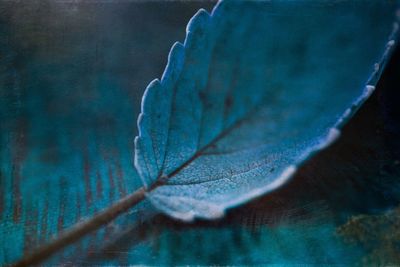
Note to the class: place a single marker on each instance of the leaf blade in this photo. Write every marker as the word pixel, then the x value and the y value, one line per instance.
pixel 292 106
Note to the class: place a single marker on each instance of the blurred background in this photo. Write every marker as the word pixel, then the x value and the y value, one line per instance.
pixel 72 74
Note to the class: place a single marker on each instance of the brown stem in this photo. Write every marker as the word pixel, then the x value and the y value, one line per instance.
pixel 108 214
pixel 78 230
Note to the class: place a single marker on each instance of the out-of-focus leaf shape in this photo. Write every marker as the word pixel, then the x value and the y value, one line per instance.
pixel 378 234
pixel 71 80
pixel 255 90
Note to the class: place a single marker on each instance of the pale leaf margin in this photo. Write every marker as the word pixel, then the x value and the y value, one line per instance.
pixel 171 75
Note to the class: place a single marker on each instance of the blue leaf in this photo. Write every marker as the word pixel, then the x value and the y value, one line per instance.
pixel 255 90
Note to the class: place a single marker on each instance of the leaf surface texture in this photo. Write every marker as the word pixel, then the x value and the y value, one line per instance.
pixel 255 90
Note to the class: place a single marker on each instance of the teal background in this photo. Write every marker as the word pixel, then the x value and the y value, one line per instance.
pixel 72 76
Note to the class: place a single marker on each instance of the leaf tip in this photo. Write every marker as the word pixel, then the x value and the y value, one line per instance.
pixel 149 94
pixel 175 62
pixel 198 21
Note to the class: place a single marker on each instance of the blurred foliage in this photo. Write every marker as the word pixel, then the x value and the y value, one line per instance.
pixel 379 235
